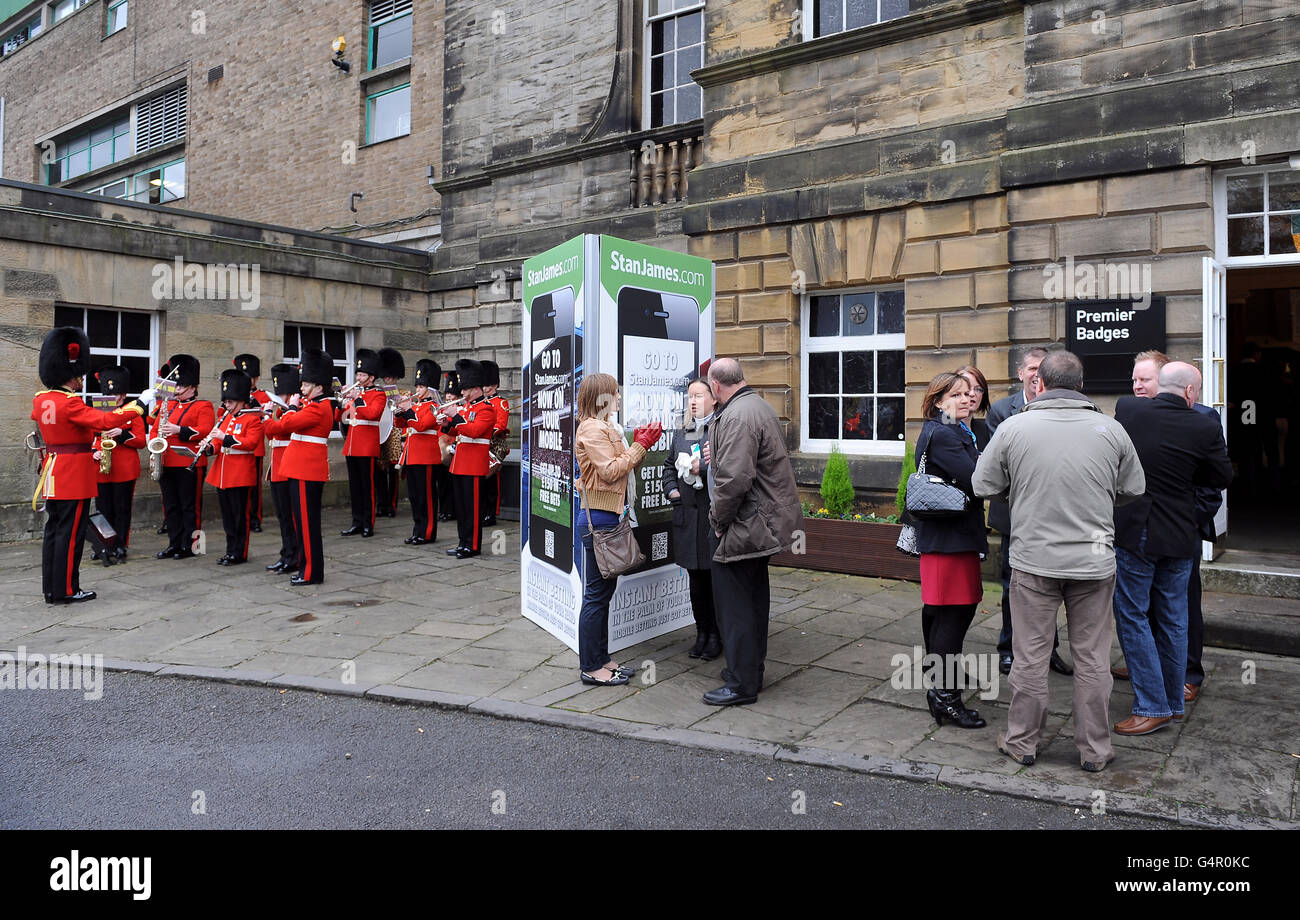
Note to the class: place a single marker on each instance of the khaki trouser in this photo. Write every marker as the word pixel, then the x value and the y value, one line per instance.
pixel 1034 602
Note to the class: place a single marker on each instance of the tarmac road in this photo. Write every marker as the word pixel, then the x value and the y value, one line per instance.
pixel 159 752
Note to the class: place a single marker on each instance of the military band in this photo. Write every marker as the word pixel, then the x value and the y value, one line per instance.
pixel 446 445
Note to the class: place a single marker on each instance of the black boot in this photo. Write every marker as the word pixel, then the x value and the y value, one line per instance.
pixel 697 650
pixel 947 705
pixel 712 647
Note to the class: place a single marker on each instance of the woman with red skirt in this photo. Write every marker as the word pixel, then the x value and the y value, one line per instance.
pixel 951 548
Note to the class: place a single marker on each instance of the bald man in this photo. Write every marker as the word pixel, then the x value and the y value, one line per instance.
pixel 1157 539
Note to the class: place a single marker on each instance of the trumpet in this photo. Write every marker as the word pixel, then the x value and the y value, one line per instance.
pixel 106 446
pixel 346 391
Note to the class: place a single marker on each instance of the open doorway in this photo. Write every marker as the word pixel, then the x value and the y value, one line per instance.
pixel 1263 408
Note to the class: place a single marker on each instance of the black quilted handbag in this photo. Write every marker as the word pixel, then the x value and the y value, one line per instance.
pixel 932 497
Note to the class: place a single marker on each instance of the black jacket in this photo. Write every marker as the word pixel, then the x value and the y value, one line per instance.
pixel 1208 501
pixel 953 455
pixel 1180 449
pixel 691 548
pixel 999 412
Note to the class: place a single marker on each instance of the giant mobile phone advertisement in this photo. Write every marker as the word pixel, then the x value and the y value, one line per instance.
pixel 644 315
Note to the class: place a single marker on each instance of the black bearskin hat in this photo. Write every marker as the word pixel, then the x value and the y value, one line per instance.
pixel 491 374
pixel 391 364
pixel 65 354
pixel 188 373
pixel 284 379
pixel 249 364
pixel 470 373
pixel 114 380
pixel 427 373
pixel 317 367
pixel 235 384
pixel 368 362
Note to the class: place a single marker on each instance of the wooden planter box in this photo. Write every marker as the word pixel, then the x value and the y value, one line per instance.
pixel 853 548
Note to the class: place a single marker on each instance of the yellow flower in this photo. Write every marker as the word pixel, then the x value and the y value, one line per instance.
pixel 822 511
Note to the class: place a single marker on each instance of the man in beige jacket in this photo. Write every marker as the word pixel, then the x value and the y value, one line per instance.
pixel 754 510
pixel 1063 466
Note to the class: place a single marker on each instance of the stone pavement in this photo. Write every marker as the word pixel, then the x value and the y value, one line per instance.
pixel 416 625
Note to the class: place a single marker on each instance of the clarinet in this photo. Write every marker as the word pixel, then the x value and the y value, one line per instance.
pixel 203 445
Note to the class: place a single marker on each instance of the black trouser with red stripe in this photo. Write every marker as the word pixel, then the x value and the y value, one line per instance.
pixel 280 497
pixel 305 497
pixel 361 487
pixel 446 495
pixel 182 490
pixel 492 495
pixel 255 497
pixel 386 487
pixel 469 510
pixel 114 503
pixel 65 536
pixel 234 519
pixel 424 500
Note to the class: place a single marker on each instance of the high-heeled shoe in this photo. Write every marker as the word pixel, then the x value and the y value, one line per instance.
pixel 947 704
pixel 697 649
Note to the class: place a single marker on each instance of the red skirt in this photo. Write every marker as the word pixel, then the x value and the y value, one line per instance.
pixel 951 578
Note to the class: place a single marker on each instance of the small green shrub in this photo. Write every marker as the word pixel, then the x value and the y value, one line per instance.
pixel 837 486
pixel 909 467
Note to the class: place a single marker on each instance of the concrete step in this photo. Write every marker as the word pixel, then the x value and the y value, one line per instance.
pixel 1259 574
pixel 1270 625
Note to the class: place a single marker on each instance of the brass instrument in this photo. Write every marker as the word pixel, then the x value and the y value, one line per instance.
pixel 106 446
pixel 157 446
pixel 392 446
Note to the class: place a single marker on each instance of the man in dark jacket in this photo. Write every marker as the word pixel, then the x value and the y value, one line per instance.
pixel 754 511
pixel 1000 511
pixel 1157 538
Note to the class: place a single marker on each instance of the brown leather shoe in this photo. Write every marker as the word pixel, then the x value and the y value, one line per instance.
pixel 1191 692
pixel 1119 673
pixel 1141 725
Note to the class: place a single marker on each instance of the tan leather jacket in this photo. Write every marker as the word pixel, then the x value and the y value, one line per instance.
pixel 604 460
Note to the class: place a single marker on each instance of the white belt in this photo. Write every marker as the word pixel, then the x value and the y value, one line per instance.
pixel 279 443
pixel 412 432
pixel 233 450
pixel 465 440
pixel 309 438
pixel 362 421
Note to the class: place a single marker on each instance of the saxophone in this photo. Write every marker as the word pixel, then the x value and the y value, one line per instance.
pixel 106 446
pixel 158 445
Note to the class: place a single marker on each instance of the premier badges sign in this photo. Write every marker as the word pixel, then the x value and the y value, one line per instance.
pixel 1106 334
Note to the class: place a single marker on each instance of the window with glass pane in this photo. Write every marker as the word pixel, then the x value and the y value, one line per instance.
pixel 390 32
pixel 676 39
pixel 65 8
pixel 27 31
pixel 1264 213
pixel 334 341
pixel 830 17
pixel 160 185
pixel 117 17
pixel 388 114
pixel 116 337
pixel 853 352
pixel 95 149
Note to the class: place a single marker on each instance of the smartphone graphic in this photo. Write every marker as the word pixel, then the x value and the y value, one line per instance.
pixel 550 429
pixel 658 355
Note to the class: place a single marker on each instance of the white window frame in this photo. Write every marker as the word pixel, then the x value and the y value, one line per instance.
pixel 152 353
pixel 646 31
pixel 77 6
pixel 346 377
pixel 806 21
pixel 1221 219
pixel 841 343
pixel 111 6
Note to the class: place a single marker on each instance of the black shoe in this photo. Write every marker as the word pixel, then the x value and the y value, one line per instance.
pixel 466 553
pixel 184 554
pixel 455 550
pixel 72 598
pixel 712 648
pixel 94 555
pixel 726 696
pixel 489 521
pixel 226 560
pixel 697 650
pixel 162 528
pixel 168 553
pixel 947 705
pixel 446 517
pixel 416 541
pixel 1057 664
pixel 255 527
pixel 277 567
pixel 298 582
pixel 368 532
pixel 618 680
pixel 120 554
pixel 352 531
pixel 1004 663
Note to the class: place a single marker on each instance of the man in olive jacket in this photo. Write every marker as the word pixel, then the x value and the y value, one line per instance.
pixel 754 511
pixel 1064 466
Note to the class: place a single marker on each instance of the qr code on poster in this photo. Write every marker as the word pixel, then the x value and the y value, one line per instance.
pixel 549 549
pixel 659 547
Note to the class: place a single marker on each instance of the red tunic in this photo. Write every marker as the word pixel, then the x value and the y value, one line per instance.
pixel 237 466
pixel 279 443
pixel 68 426
pixel 307 456
pixel 473 436
pixel 195 414
pixel 422 436
pixel 502 406
pixel 363 429
pixel 262 398
pixel 126 456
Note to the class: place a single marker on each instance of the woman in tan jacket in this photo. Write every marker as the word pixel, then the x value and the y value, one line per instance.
pixel 604 462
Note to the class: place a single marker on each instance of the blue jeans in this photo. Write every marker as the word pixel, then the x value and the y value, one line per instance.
pixel 593 620
pixel 1157 661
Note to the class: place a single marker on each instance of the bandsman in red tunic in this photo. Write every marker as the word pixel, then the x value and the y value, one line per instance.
pixel 472 426
pixel 446 442
pixel 252 366
pixel 307 458
pixel 68 475
pixel 189 419
pixel 387 476
pixel 492 484
pixel 116 488
pixel 361 447
pixel 233 471
pixel 418 414
pixel 285 383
